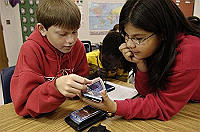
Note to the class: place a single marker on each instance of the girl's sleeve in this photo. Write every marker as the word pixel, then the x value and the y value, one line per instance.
pixel 163 104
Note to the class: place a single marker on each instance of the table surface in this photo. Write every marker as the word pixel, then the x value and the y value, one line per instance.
pixel 188 119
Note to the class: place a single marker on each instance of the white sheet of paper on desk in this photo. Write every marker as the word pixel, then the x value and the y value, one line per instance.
pixel 121 92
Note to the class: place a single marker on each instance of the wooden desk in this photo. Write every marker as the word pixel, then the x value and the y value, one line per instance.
pixel 187 120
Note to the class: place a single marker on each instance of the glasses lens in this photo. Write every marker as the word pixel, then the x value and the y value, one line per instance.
pixel 135 41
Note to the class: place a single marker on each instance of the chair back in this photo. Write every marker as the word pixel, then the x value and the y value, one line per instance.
pixel 88 45
pixel 6 75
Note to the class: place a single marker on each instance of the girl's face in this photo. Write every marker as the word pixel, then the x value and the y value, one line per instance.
pixel 61 39
pixel 142 43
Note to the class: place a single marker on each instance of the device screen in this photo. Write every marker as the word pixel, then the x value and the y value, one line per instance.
pixel 94 89
pixel 96 86
pixel 85 112
pixel 81 115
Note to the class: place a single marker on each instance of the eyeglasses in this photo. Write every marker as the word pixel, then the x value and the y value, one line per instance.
pixel 137 41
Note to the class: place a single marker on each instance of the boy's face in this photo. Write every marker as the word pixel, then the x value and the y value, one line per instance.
pixel 61 39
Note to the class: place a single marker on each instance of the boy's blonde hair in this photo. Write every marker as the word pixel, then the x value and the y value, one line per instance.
pixel 61 13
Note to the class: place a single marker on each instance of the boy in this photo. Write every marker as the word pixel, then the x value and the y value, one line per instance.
pixel 108 61
pixel 51 62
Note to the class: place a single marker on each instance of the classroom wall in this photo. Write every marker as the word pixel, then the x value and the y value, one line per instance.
pixel 12 32
pixel 1 94
pixel 197 8
pixel 13 36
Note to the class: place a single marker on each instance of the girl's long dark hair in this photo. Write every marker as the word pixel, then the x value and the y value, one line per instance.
pixel 165 19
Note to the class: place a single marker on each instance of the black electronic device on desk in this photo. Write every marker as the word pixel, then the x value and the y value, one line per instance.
pixel 109 87
pixel 85 117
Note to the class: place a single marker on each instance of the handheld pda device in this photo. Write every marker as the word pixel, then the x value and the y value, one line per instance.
pixel 94 91
pixel 82 118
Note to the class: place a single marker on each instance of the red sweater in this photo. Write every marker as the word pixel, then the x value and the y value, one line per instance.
pixel 183 85
pixel 32 88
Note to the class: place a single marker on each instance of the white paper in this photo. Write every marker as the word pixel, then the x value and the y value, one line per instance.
pixel 121 92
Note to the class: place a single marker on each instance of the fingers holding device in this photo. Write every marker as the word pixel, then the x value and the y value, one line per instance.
pixel 94 90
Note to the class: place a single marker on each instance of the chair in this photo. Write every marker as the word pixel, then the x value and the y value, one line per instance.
pixel 88 45
pixel 6 75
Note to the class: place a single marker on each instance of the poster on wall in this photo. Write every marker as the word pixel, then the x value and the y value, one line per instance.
pixel 99 16
pixel 103 16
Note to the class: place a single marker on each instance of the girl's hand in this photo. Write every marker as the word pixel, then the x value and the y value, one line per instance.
pixel 141 64
pixel 128 54
pixel 107 104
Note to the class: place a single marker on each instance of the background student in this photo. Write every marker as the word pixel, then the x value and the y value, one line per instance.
pixel 52 63
pixel 115 28
pixel 107 61
pixel 165 47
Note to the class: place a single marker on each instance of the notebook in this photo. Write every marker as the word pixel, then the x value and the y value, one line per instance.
pixel 121 92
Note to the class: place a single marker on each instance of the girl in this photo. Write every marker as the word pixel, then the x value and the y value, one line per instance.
pixel 165 48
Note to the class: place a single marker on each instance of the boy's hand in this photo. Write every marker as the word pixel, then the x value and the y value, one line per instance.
pixel 107 104
pixel 71 85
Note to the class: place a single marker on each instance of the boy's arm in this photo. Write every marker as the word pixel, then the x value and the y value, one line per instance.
pixel 30 93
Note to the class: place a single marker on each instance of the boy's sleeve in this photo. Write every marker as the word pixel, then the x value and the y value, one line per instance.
pixel 30 93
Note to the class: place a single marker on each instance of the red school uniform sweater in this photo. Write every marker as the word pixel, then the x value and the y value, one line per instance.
pixel 33 90
pixel 183 85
